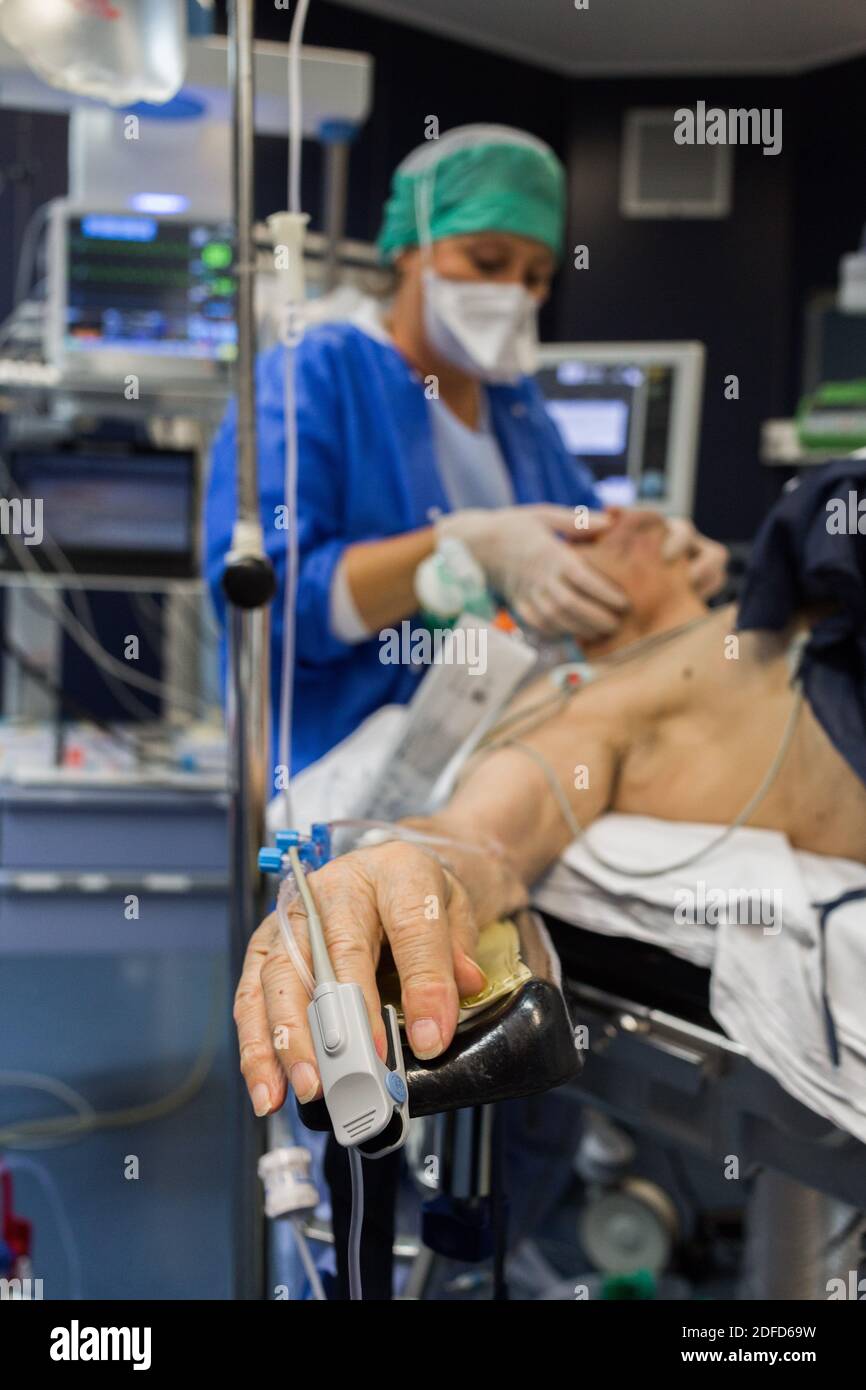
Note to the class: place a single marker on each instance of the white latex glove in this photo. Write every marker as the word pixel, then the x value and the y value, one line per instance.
pixel 708 560
pixel 531 556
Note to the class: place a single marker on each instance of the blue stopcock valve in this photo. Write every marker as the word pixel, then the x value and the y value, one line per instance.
pixel 320 834
pixel 314 849
pixel 270 860
pixel 287 839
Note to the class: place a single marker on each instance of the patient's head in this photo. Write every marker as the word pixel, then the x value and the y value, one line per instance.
pixel 630 551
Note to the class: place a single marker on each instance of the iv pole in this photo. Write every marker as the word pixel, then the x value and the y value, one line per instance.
pixel 249 585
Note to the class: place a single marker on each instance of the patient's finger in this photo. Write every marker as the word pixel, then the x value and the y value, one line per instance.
pixel 264 1077
pixel 412 892
pixel 345 896
pixel 464 940
pixel 286 1001
pixel 354 963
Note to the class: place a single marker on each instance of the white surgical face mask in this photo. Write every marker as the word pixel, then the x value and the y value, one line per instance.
pixel 489 330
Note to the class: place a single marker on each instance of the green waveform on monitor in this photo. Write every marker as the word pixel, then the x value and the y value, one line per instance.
pixel 142 275
pixel 178 249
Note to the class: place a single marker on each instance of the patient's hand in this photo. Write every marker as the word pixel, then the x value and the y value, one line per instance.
pixel 395 891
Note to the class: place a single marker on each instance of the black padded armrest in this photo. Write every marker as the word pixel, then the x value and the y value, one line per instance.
pixel 521 1045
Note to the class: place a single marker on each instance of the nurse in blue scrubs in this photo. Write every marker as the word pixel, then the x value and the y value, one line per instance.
pixel 420 419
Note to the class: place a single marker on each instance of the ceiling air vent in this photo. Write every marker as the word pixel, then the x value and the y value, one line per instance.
pixel 660 178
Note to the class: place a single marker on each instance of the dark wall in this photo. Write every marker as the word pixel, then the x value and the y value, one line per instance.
pixel 724 282
pixel 33 169
pixel 829 211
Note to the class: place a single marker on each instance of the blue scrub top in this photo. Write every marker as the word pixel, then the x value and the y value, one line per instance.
pixel 366 470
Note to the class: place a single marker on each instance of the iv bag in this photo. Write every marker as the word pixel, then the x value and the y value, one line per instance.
pixel 119 51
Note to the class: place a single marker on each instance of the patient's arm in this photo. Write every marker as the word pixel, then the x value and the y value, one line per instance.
pixel 428 911
pixel 507 798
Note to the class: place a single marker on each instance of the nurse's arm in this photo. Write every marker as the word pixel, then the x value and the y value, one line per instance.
pixel 428 907
pixel 381 576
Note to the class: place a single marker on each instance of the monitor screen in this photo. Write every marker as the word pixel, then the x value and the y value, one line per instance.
pixel 592 427
pixel 147 285
pixel 117 512
pixel 616 417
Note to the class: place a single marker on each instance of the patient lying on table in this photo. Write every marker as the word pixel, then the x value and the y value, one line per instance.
pixel 687 728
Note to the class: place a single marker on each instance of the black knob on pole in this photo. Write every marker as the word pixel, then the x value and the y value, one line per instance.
pixel 249 581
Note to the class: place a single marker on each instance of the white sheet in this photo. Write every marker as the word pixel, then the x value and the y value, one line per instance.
pixel 767 993
pixel 764 950
pixel 766 976
pixel 681 909
pixel 658 910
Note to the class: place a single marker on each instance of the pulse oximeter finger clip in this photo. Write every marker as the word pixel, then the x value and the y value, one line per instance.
pixel 367 1099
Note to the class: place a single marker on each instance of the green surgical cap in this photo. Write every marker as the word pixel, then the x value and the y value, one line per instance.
pixel 481 178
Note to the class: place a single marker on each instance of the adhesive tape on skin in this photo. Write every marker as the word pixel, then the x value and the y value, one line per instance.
pixel 497 953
